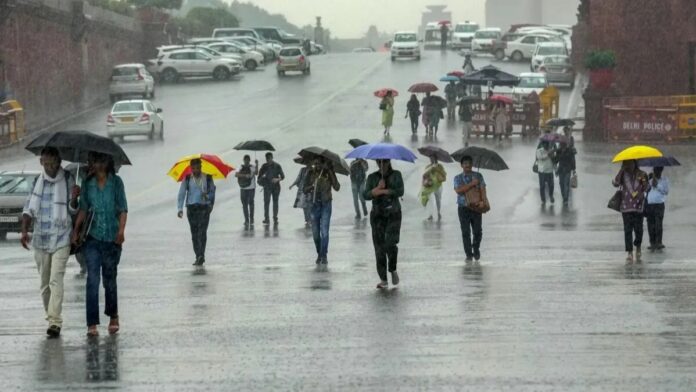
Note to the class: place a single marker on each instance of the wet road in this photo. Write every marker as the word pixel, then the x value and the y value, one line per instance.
pixel 550 307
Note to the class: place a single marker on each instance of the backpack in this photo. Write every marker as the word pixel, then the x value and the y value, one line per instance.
pixel 244 181
pixel 357 172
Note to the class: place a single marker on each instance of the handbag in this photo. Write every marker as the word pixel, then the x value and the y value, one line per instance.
pixel 574 180
pixel 615 202
pixel 382 106
pixel 476 202
pixel 535 167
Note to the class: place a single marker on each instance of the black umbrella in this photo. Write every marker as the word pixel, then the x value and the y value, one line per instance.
pixel 468 99
pixel 254 145
pixel 491 75
pixel 483 158
pixel 75 146
pixel 435 152
pixel 339 165
pixel 355 143
pixel 560 122
pixel 659 162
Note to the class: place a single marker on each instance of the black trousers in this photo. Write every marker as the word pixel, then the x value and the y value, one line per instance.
pixel 268 193
pixel 655 213
pixel 386 230
pixel 633 230
pixel 471 221
pixel 198 217
pixel 247 196
pixel 414 121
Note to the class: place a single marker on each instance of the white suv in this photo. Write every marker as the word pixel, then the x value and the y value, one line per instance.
pixel 250 58
pixel 485 38
pixel 193 62
pixel 405 44
pixel 546 49
pixel 463 34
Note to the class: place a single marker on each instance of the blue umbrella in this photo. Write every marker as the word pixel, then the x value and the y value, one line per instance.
pixel 449 78
pixel 659 162
pixel 382 151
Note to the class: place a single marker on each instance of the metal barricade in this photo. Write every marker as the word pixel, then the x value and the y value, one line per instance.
pixel 658 118
pixel 11 122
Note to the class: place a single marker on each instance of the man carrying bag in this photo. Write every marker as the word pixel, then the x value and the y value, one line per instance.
pixel 472 202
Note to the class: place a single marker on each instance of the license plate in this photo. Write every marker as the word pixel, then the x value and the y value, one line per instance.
pixel 9 219
pixel 127 119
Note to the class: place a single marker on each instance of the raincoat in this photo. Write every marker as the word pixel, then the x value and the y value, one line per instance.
pixel 433 178
pixel 388 112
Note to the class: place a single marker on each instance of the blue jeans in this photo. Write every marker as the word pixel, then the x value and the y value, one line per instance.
pixel 321 218
pixel 102 261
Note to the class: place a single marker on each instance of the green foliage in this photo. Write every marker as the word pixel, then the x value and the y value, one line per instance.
pixel 600 59
pixel 163 4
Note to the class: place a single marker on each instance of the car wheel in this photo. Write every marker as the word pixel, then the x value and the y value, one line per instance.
pixel 250 65
pixel 517 56
pixel 221 73
pixel 161 134
pixel 151 136
pixel 170 75
pixel 499 55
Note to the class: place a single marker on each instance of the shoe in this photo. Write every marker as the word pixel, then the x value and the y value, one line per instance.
pixel 246 223
pixel 552 200
pixel 195 262
pixel 629 258
pixel 382 285
pixel 469 260
pixel 275 221
pixel 439 217
pixel 365 213
pixel 251 222
pixel 53 331
pixel 660 246
pixel 395 278
pixel 430 218
pixel 92 331
pixel 358 217
pixel 318 260
pixel 638 256
pixel 477 255
pixel 114 326
pixel 652 248
pixel 266 222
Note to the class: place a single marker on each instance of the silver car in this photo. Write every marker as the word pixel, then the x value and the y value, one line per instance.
pixel 293 59
pixel 15 187
pixel 133 118
pixel 558 69
pixel 131 79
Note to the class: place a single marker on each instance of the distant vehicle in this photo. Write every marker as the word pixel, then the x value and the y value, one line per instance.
pixel 499 46
pixel 363 50
pixel 432 36
pixel 203 48
pixel 544 49
pixel 235 32
pixel 15 187
pixel 558 69
pixel 127 79
pixel 317 48
pixel 258 45
pixel 251 59
pixel 485 38
pixel 194 62
pixel 136 117
pixel 523 47
pixel 293 59
pixel 463 34
pixel 276 34
pixel 203 41
pixel 405 45
pixel 529 82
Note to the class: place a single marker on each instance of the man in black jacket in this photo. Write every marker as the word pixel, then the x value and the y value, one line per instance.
pixel 564 157
pixel 270 176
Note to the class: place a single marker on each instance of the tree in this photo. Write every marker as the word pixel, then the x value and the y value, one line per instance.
pixel 164 4
pixel 201 21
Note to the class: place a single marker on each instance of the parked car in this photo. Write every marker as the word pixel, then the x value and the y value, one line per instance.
pixel 131 79
pixel 203 48
pixel 547 49
pixel 462 35
pixel 15 187
pixel 257 45
pixel 235 32
pixel 194 62
pixel 483 39
pixel 558 69
pixel 203 41
pixel 529 82
pixel 405 44
pixel 137 117
pixel 293 59
pixel 499 46
pixel 251 59
pixel 276 34
pixel 523 47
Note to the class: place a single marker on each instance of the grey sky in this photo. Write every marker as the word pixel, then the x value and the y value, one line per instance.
pixel 351 18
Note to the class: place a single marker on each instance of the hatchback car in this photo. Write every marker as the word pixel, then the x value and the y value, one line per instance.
pixel 293 59
pixel 558 69
pixel 131 79
pixel 15 187
pixel 136 117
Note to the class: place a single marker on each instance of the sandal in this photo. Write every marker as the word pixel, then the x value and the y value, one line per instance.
pixel 113 326
pixel 92 331
pixel 382 285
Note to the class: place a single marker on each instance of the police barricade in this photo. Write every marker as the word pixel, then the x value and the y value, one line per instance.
pixel 657 119
pixel 523 118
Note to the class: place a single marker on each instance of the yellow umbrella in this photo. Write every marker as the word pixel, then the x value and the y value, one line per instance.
pixel 210 164
pixel 637 152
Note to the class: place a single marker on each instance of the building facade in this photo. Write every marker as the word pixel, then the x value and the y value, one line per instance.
pixel 504 13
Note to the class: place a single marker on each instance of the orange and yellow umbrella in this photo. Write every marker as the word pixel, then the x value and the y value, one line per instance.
pixel 212 165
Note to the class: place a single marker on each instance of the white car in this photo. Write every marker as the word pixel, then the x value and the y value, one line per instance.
pixel 257 45
pixel 405 44
pixel 545 49
pixel 485 38
pixel 250 58
pixel 293 58
pixel 203 48
pixel 194 62
pixel 463 34
pixel 138 117
pixel 529 82
pixel 523 47
pixel 127 79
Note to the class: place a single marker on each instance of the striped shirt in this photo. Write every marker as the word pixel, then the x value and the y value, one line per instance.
pixel 46 237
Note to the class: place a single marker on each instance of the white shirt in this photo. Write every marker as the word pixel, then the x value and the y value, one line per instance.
pixel 544 162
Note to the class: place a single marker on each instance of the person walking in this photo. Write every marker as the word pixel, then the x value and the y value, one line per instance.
pixel 246 178
pixel 358 174
pixel 384 188
pixel 432 180
pixel 301 198
pixel 564 158
pixel 413 112
pixel 320 180
pixel 270 176
pixel 467 118
pixel 470 220
pixel 444 35
pixel 451 96
pixel 50 205
pixel 428 111
pixel 544 164
pixel 103 196
pixel 387 106
pixel 655 209
pixel 500 119
pixel 633 184
pixel 197 192
pixel 468 65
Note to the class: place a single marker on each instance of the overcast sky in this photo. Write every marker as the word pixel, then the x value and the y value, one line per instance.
pixel 351 18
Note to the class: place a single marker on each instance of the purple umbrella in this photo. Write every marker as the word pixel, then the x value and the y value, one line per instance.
pixel 553 138
pixel 382 151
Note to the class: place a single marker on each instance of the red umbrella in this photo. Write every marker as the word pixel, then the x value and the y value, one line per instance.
pixel 381 93
pixel 458 74
pixel 423 88
pixel 501 98
pixel 444 22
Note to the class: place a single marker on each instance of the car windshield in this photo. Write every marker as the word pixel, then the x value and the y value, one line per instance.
pixel 466 28
pixel 486 34
pixel 405 38
pixel 124 71
pixel 532 82
pixel 290 52
pixel 557 60
pixel 128 107
pixel 548 50
pixel 11 184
